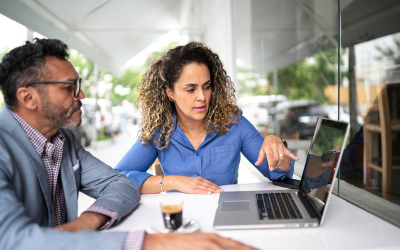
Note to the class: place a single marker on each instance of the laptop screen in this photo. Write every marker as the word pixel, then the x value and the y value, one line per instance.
pixel 322 159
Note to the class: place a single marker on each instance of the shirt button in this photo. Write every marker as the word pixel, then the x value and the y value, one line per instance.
pixel 198 174
pixel 197 153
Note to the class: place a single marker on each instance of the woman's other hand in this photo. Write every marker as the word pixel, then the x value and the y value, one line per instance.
pixel 194 185
pixel 277 154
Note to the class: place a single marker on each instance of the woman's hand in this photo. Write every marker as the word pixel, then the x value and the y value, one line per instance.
pixel 277 154
pixel 194 185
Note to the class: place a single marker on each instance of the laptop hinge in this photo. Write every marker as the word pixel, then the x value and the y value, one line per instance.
pixel 307 204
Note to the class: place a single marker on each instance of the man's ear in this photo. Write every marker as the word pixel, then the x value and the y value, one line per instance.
pixel 27 97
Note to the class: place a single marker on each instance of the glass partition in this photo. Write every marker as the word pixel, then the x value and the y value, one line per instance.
pixel 295 63
pixel 370 175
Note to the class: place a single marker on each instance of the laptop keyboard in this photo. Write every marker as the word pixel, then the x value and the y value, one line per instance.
pixel 277 206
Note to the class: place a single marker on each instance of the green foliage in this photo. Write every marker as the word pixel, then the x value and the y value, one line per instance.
pixel 85 68
pixel 391 53
pixel 304 79
pixel 3 52
pixel 248 82
pixel 130 78
pixel 157 54
pixel 102 137
pixel 301 81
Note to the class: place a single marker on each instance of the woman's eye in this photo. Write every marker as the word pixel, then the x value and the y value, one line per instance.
pixel 207 86
pixel 190 90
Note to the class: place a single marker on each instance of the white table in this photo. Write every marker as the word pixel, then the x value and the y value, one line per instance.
pixel 345 227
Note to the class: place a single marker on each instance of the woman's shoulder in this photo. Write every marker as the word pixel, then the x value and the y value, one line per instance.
pixel 240 120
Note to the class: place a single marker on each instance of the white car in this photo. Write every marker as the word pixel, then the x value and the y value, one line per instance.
pixel 256 108
pixel 332 112
pixel 103 115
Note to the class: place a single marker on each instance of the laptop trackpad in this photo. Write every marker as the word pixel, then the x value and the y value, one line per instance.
pixel 236 206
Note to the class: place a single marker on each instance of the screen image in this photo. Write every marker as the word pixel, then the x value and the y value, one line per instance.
pixel 322 159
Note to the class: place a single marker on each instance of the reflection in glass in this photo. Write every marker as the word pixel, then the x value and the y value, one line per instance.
pixel 323 157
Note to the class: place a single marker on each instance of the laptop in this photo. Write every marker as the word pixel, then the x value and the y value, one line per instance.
pixel 287 183
pixel 305 207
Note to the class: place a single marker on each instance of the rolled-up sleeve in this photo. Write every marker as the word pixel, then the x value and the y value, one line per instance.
pixel 252 141
pixel 137 161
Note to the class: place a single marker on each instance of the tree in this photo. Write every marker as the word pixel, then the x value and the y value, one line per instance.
pixel 157 54
pixel 307 79
pixel 248 82
pixel 130 78
pixel 85 69
pixel 390 52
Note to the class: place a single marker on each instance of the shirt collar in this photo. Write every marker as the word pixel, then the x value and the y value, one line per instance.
pixel 38 140
pixel 178 134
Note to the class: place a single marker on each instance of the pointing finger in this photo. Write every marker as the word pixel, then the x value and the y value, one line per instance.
pixel 291 155
pixel 261 157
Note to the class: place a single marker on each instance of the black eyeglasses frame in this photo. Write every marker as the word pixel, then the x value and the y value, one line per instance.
pixel 77 85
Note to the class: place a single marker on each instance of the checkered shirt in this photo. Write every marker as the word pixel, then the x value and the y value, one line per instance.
pixel 51 153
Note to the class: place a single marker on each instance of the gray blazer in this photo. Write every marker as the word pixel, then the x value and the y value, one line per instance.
pixel 25 221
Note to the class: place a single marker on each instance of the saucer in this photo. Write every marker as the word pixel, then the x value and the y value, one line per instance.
pixel 159 227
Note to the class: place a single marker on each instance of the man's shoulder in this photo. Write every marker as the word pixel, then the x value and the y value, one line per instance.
pixel 66 132
pixel 6 119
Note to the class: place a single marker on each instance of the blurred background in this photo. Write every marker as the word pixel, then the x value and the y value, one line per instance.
pixel 291 61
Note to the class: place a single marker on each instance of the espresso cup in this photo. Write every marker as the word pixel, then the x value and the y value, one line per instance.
pixel 172 214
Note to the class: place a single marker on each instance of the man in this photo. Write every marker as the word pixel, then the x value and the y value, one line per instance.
pixel 43 166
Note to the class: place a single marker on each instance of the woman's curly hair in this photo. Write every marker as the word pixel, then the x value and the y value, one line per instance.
pixel 157 109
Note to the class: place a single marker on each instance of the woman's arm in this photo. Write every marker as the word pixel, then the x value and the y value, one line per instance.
pixel 255 148
pixel 137 161
pixel 184 184
pixel 277 154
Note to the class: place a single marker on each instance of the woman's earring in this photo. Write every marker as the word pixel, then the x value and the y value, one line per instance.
pixel 172 100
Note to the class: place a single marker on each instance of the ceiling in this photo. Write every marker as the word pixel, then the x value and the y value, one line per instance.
pixel 110 32
pixel 269 34
pixel 286 31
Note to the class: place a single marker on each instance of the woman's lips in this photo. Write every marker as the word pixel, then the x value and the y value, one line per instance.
pixel 200 109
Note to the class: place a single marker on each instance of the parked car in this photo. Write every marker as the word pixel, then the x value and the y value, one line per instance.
pixel 256 108
pixel 332 112
pixel 297 116
pixel 136 116
pixel 86 131
pixel 104 118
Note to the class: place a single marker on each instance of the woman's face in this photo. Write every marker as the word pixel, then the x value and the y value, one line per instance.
pixel 192 93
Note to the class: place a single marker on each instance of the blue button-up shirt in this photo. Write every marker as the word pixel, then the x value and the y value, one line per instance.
pixel 217 158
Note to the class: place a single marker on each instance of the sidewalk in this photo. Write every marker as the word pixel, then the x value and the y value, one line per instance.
pixel 111 151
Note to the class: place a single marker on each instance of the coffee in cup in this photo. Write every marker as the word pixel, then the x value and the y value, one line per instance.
pixel 172 214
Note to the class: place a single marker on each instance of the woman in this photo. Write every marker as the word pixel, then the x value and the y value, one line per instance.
pixel 191 122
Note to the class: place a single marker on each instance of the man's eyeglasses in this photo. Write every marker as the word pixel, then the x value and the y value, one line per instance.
pixel 77 85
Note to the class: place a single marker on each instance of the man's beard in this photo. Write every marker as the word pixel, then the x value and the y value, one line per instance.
pixel 59 115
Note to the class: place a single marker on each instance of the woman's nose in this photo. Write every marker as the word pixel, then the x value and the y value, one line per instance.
pixel 201 95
